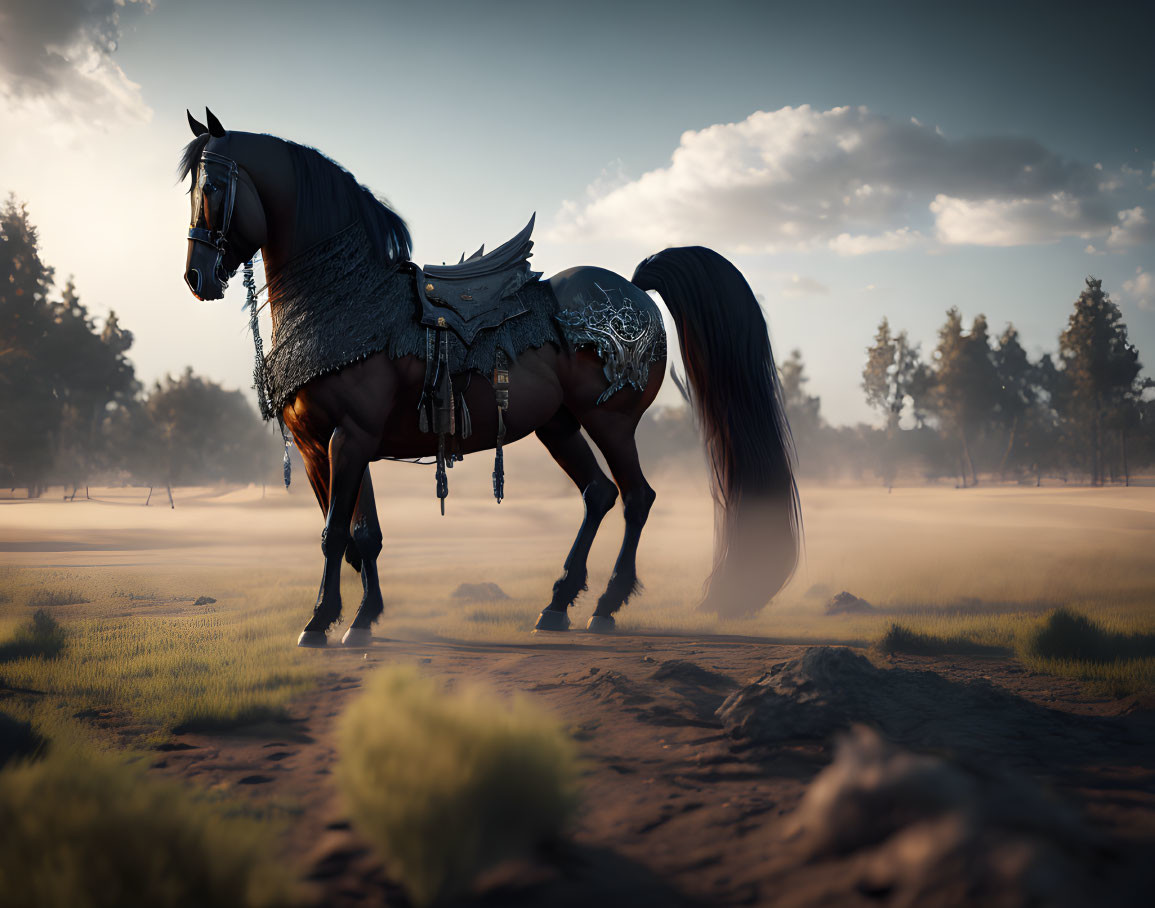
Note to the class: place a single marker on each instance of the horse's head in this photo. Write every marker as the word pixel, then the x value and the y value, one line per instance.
pixel 227 225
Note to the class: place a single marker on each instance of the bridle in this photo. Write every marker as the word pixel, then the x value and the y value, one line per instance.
pixel 215 237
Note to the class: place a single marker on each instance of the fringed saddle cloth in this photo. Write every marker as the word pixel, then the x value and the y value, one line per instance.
pixel 337 304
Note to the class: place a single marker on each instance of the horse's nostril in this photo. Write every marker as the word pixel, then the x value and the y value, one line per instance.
pixel 193 279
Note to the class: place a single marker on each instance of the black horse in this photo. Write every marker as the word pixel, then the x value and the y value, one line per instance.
pixel 357 362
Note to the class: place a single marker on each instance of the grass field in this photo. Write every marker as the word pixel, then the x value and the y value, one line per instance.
pixel 146 653
pixel 121 625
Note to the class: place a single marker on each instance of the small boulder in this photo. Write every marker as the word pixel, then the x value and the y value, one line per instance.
pixel 848 604
pixel 204 600
pixel 479 592
pixel 927 830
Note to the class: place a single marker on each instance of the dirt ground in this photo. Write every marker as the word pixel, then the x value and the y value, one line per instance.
pixel 680 804
pixel 674 812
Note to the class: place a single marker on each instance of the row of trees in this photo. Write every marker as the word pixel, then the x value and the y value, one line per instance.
pixel 997 411
pixel 72 409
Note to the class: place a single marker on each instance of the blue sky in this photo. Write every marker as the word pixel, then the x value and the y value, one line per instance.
pixel 855 160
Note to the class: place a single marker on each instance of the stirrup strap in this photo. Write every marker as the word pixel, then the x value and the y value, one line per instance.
pixel 501 396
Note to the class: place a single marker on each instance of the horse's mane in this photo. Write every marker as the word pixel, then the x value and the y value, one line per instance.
pixel 190 157
pixel 329 198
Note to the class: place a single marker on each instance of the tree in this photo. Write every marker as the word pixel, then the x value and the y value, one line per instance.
pixel 1017 391
pixel 892 375
pixel 92 377
pixel 966 385
pixel 191 430
pixel 802 410
pixel 1101 368
pixel 1038 446
pixel 30 407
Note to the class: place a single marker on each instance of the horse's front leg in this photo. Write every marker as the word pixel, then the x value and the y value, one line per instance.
pixel 367 539
pixel 349 453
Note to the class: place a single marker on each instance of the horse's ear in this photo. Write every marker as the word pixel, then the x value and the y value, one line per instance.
pixel 215 128
pixel 198 129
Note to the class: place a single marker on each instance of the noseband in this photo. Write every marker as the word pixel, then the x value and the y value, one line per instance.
pixel 216 238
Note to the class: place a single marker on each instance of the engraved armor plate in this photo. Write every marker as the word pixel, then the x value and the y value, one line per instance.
pixel 603 310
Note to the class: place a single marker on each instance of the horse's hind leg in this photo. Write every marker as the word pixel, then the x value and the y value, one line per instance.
pixel 613 433
pixel 563 439
pixel 367 541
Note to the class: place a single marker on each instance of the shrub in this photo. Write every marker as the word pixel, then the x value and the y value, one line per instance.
pixel 1070 636
pixel 901 639
pixel 85 830
pixel 18 739
pixel 42 636
pixel 56 597
pixel 448 782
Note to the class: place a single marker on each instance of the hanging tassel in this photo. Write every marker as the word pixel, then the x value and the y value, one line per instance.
pixel 287 464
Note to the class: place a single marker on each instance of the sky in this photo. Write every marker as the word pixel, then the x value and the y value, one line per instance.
pixel 854 160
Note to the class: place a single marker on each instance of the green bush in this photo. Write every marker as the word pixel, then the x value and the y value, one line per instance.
pixel 85 830
pixel 1068 635
pixel 42 636
pixel 449 782
pixel 901 639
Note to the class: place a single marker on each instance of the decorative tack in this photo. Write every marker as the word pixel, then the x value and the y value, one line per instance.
pixel 628 336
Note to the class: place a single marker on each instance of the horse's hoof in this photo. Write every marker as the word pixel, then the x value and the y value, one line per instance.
pixel 552 620
pixel 313 639
pixel 601 624
pixel 357 636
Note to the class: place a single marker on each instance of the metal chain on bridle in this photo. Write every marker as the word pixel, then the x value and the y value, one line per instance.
pixel 260 373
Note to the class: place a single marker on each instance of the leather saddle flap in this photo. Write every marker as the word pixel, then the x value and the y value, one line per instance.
pixel 479 292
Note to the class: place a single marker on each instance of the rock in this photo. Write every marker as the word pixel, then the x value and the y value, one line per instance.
pixel 690 674
pixel 828 689
pixel 848 604
pixel 204 600
pixel 479 592
pixel 923 830
pixel 614 687
pixel 701 691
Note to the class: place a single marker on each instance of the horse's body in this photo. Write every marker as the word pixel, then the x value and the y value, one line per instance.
pixel 285 202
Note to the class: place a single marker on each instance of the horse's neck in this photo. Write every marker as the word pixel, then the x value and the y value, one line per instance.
pixel 266 160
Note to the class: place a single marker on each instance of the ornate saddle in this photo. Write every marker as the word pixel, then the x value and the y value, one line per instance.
pixel 479 292
pixel 476 294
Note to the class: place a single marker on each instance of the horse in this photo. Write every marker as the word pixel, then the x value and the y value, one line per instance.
pixel 303 212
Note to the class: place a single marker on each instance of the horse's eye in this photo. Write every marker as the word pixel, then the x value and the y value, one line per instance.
pixel 209 186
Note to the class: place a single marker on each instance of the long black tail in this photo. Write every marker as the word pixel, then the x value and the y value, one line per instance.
pixel 737 397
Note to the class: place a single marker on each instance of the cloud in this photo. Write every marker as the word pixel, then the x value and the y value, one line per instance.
pixel 1141 289
pixel 852 181
pixel 802 285
pixel 1134 229
pixel 57 55
pixel 1009 222
pixel 890 241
